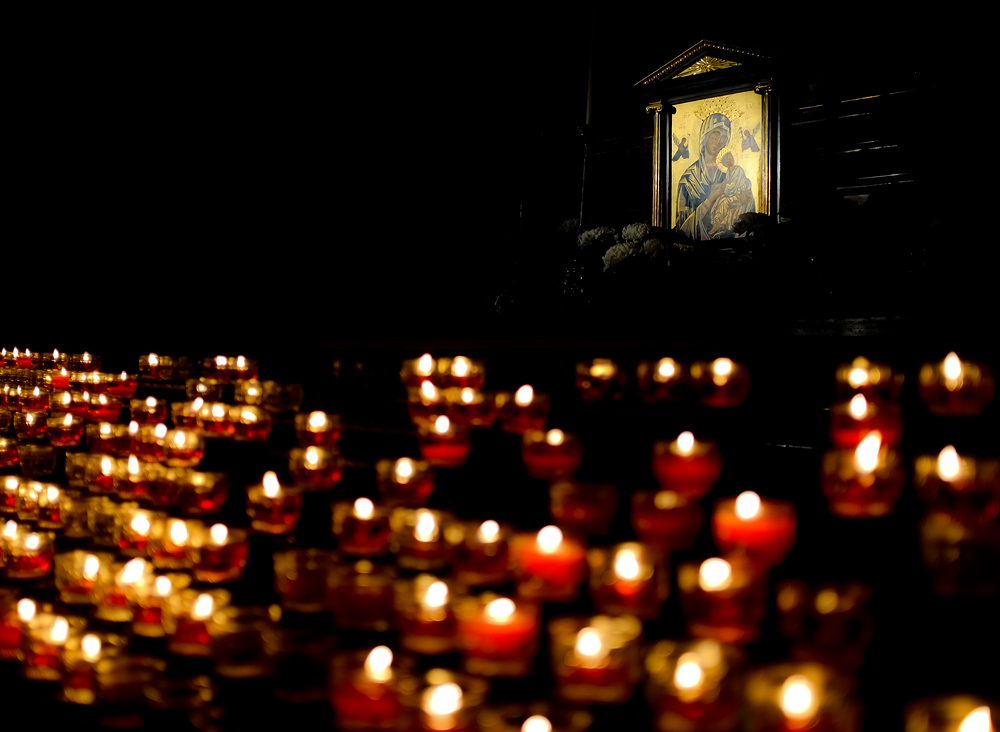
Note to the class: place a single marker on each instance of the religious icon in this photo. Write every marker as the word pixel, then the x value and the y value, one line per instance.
pixel 682 149
pixel 750 139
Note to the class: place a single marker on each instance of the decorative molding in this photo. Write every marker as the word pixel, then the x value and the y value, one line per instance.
pixel 703 57
pixel 704 65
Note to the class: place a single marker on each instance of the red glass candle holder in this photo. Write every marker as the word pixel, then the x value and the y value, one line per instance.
pixel 586 509
pixel 419 540
pixel 201 493
pixel 446 700
pixel 168 543
pixel 687 466
pixel 10 625
pixel 962 555
pixel 600 378
pixel 133 529
pixel 215 420
pixel 365 689
pixel 416 370
pixel 80 656
pixel 132 479
pixel 522 410
pixel 189 623
pixel 36 461
pixel 362 528
pixel 61 402
pixel 6 419
pixel 425 403
pixel 444 444
pixel 84 362
pixel 100 472
pixel 65 430
pixel 405 482
pixel 31 425
pixel 763 528
pixel 79 572
pixel 250 424
pixel 424 615
pixel 851 421
pixel 148 442
pixel 360 594
pixel 46 634
pixel 35 399
pixel 862 483
pixel 661 381
pixel 155 603
pixel 208 390
pixel 723 599
pixel 830 624
pixel 548 565
pixel 460 372
pixel 123 385
pixel 319 429
pixel 497 636
pixel 300 579
pixel 315 468
pixel 9 454
pixel 551 455
pixel 27 500
pixel 53 505
pixel 183 448
pixel 10 487
pixel 953 388
pixel 720 383
pixel 959 484
pixel 595 660
pixel 185 414
pixel 272 507
pixel 876 381
pixel 219 553
pixel 481 552
pixel 696 685
pixel 470 407
pixel 115 592
pixel 786 697
pixel 626 579
pixel 104 408
pixel 951 712
pixel 80 405
pixel 29 554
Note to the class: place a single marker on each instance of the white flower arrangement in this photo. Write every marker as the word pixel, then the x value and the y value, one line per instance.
pixel 635 232
pixel 603 234
pixel 618 252
pixel 652 247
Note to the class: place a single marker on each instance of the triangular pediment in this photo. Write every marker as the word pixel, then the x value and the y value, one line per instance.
pixel 703 58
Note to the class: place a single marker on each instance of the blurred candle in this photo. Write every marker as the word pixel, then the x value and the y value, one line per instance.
pixel 764 528
pixel 549 566
pixel 687 466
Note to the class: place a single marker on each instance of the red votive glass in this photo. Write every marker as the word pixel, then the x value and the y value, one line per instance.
pixel 548 565
pixel 830 624
pixel 185 414
pixel 595 660
pixel 470 407
pixel 551 455
pixel 300 579
pixel 720 383
pixel 209 390
pixel 481 552
pixel 99 475
pixel 460 372
pixel 362 528
pixel 626 579
pixel 365 689
pixel 272 507
pixel 200 493
pixel 425 404
pixel 876 381
pixel 219 553
pixel 586 509
pixel 123 385
pixel 84 362
pixel 498 636
pixel 65 430
pixel 851 421
pixel 183 448
pixel 152 601
pixel 956 388
pixel 725 599
pixel 46 634
pixel 148 442
pixel 154 366
pixel 444 444
pixel 78 573
pixel 419 540
pixel 133 529
pixel 360 594
pixel 764 528
pixel 190 621
pixel 416 370
pixel 424 615
pixel 959 484
pixel 133 479
pixel 104 408
pixel 661 381
pixel 865 482
pixel 31 425
pixel 58 378
pixel 10 625
pixel 168 544
pixel 522 410
pixel 113 593
pixel 687 466
pixel 35 399
pixel 600 378
pixel 789 697
pixel 405 482
pixel 53 506
pixel 215 420
pixel 250 424
pixel 320 429
pixel 315 468
pixel 9 456
pixel 29 554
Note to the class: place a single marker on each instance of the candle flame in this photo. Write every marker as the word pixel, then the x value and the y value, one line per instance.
pixel 160 431
pixel 221 361
pixel 378 664
pixel 461 367
pixel 627 565
pixel 68 419
pixel 204 606
pixel 91 646
pixel 948 465
pixel 689 673
pixel 555 437
pixel 60 630
pixel 218 411
pixel 524 395
pixel 248 416
pixel 589 645
pixel 499 611
pixel 666 368
pixel 271 485
pixel 52 494
pixel 133 465
pixel 426 528
pixel 798 698
pixel 489 532
pixel 425 365
pixel 443 699
pixel 536 723
pixel 952 367
pixel 602 368
pixel 91 567
pixel 442 425
pixel 140 524
pixel 364 508
pixel 685 443
pixel 32 542
pixel 219 533
pixel 747 506
pixel 29 418
pixel 153 360
pixel 198 403
pixel 163 585
pixel 241 362
pixel 468 395
pixel 866 456
pixel 404 470
pixel 858 406
pixel 978 720
pixel 858 377
pixel 178 533
pixel 317 420
pixel 66 398
pixel 132 572
pixel 26 609
pixel 722 367
pixel 549 539
pixel 106 466
pixel 715 575
pixel 151 402
pixel 312 457
pixel 180 438
pixel 429 391
pixel 436 595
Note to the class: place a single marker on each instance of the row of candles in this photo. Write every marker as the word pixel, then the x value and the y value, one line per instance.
pixel 715 575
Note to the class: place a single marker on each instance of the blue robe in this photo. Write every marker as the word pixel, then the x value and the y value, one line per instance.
pixel 693 218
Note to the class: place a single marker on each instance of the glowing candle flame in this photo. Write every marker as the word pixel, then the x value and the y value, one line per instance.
pixel 91 567
pixel 404 470
pixel 798 698
pixel 221 361
pixel 241 363
pixel 428 391
pixel 219 411
pixel 858 406
pixel 153 360
pixel 32 542
pixel 747 506
pixel 666 368
pixel 178 533
pixel 312 457
pixel 378 664
pixel 29 418
pixel 952 367
pixel 866 456
pixel 198 403
pixel 685 443
pixel 219 533
pixel 442 424
pixel 55 354
pixel 948 464
pixel 124 376
pixel 589 645
pixel 524 396
pixel 715 575
pixel 180 438
pixel 555 437
pixel 132 572
pixel 468 395
pixel 364 508
pixel 91 646
pixel 317 421
pixel 107 467
pixel 436 595
pixel 151 402
pixel 425 365
pixel 133 465
pixel 68 419
pixel 549 539
pixel 248 416
pixel 536 723
pixel 489 532
pixel 160 431
pixel 163 585
pixel 140 524
pixel 60 631
pixel 443 699
pixel 26 609
pixel 627 565
pixel 858 376
pixel 689 673
pixel 66 398
pixel 978 720
pixel 203 607
pixel 722 367
pixel 10 529
pixel 461 367
pixel 499 611
pixel 426 528
pixel 602 369
pixel 271 486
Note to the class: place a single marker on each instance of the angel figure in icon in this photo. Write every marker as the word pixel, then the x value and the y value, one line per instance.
pixel 682 149
pixel 750 139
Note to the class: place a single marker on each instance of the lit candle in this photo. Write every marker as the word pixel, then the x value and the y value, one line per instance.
pixel 966 486
pixel 365 697
pixel 117 589
pixel 362 528
pixel 440 705
pixel 549 566
pixel 169 544
pixel 29 554
pixel 595 660
pixel 550 455
pixel 865 482
pixel 405 482
pixel 498 637
pixel 192 634
pixel 360 594
pixel 624 580
pixel 600 378
pixel 183 448
pixel 482 554
pixel 424 616
pixel 764 528
pixel 65 430
pixel 78 573
pixel 250 424
pixel 665 520
pixel 720 383
pixel 723 599
pixel 524 410
pixel 687 466
pixel 956 388
pixel 318 428
pixel 47 634
pixel 851 421
pixel 876 381
pixel 273 508
pixel 219 554
pixel 444 444
pixel 696 684
pixel 123 386
pixel 215 420
pixel 315 468
pixel 420 543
